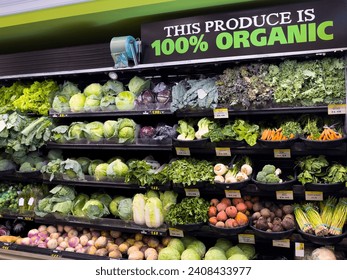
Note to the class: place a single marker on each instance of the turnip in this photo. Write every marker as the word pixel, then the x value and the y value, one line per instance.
pixel 42 228
pixel 63 244
pixel 72 233
pixel 105 233
pixel 90 243
pixel 42 244
pixel 73 241
pixel 33 232
pixel 60 239
pixel 60 228
pixel 120 240
pixel 55 235
pixel 42 235
pixel 116 234
pixel 95 233
pixel 52 244
pixel 137 255
pixel 123 248
pixel 26 241
pixel 60 248
pixel 81 250
pixel 132 249
pixel 111 247
pixel 101 242
pixel 91 250
pixel 78 246
pixel 67 228
pixel 51 229
pixel 84 240
pixel 34 240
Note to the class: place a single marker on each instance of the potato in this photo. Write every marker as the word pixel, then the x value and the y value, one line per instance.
pixel 137 255
pixel 101 252
pixel 123 248
pixel 132 249
pixel 265 212
pixel 116 254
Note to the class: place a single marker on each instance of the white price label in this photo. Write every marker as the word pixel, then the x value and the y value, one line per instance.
pixel 283 243
pixel 314 196
pixel 282 153
pixel 284 195
pixel 223 152
pixel 182 151
pixel 31 201
pixel 336 109
pixel 21 202
pixel 232 193
pixel 299 249
pixel 221 113
pixel 192 192
pixel 246 238
pixel 176 232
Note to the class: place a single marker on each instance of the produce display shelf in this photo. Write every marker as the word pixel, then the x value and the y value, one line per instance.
pixel 30 252
pixel 264 111
pixel 153 112
pixel 103 224
pixel 106 184
pixel 101 146
pixel 297 149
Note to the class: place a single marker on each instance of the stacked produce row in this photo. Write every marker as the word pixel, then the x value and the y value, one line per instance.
pixel 24 138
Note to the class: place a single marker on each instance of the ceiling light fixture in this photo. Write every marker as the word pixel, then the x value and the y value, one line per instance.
pixel 11 7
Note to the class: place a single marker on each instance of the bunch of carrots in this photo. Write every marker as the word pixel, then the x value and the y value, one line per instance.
pixel 327 134
pixel 275 135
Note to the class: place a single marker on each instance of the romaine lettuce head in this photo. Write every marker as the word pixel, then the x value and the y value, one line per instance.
pixel 125 210
pixel 100 172
pixel 76 102
pixel 92 103
pixel 117 169
pixel 114 205
pixel 112 87
pixel 60 104
pixel 76 131
pixel 92 165
pixel 110 129
pixel 108 103
pixel 94 208
pixel 93 89
pixel 137 85
pixel 125 100
pixel 94 131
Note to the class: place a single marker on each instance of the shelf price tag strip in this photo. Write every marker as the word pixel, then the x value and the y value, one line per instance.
pixel 299 249
pixel 283 243
pixel 221 113
pixel 282 153
pixel 182 151
pixel 336 109
pixel 284 195
pixel 246 238
pixel 176 232
pixel 223 152
pixel 56 254
pixel 314 195
pixel 192 192
pixel 232 194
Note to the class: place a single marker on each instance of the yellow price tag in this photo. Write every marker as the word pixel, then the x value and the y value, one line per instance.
pixel 314 196
pixel 284 195
pixel 336 109
pixel 282 153
pixel 232 193
pixel 246 238
pixel 283 243
pixel 299 249
pixel 223 152
pixel 176 232
pixel 221 113
pixel 182 151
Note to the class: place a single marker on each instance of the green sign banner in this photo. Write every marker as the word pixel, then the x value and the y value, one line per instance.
pixel 305 27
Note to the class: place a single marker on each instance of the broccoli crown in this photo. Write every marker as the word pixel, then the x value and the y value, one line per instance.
pixel 272 178
pixel 261 177
pixel 269 169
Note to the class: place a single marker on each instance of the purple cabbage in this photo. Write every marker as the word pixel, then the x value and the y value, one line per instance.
pixel 147 132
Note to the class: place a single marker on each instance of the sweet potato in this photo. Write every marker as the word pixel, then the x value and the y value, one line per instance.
pixel 222 216
pixel 241 207
pixel 226 201
pixel 241 219
pixel 231 211
pixel 212 211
